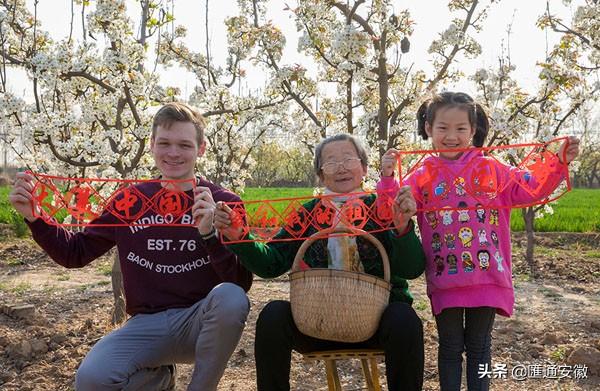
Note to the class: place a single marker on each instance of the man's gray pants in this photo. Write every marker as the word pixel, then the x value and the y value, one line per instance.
pixel 137 356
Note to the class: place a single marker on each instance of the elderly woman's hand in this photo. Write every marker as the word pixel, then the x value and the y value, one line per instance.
pixel 228 222
pixel 389 160
pixel 404 208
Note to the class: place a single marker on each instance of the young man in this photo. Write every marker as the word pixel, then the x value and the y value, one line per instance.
pixel 184 290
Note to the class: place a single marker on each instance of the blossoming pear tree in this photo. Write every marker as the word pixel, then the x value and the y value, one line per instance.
pixel 580 43
pixel 518 115
pixel 237 124
pixel 93 98
pixel 361 86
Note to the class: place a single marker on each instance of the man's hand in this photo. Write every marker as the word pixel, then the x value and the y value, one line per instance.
pixel 569 150
pixel 21 196
pixel 228 222
pixel 404 208
pixel 203 210
pixel 389 160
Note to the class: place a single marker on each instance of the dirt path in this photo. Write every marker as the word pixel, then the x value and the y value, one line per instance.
pixel 556 325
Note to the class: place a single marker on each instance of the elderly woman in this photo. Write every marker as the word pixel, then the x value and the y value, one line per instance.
pixel 341 165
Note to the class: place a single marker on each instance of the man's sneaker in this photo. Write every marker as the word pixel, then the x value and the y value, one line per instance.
pixel 173 381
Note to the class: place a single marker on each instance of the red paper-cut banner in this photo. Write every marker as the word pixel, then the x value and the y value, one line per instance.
pixel 55 198
pixel 538 174
pixel 265 218
pixel 130 205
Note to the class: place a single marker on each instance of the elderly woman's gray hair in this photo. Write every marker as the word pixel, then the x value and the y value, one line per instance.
pixel 360 150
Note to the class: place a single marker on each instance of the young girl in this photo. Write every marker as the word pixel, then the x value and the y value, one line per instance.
pixel 467 244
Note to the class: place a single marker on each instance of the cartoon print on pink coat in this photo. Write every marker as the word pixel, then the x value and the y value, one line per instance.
pixel 439 265
pixel 494 216
pixel 483 256
pixel 436 242
pixel 463 214
pixel 483 178
pixel 480 213
pixel 432 219
pixel 450 240
pixel 465 234
pixel 441 190
pixel 499 260
pixel 467 262
pixel 446 216
pixel 482 237
pixel 494 236
pixel 452 264
pixel 459 184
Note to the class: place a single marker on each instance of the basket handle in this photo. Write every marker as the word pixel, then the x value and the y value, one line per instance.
pixel 343 229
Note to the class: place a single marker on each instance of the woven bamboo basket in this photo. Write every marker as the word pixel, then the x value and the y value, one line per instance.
pixel 338 305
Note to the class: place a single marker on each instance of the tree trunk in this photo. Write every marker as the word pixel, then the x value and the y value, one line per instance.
pixel 384 85
pixel 143 25
pixel 119 315
pixel 349 123
pixel 116 277
pixel 528 217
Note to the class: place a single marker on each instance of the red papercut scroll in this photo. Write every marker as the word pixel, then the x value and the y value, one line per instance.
pixel 435 180
pixel 130 205
pixel 56 198
pixel 265 218
pixel 481 178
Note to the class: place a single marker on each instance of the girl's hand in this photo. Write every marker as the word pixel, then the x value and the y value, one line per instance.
pixel 569 150
pixel 389 160
pixel 228 222
pixel 404 208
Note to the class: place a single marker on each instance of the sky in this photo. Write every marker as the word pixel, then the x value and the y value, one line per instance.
pixel 527 43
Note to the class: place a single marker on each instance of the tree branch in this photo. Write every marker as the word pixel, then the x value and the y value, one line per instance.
pixel 286 84
pixel 441 74
pixel 89 77
pixel 132 106
pixel 357 18
pixel 231 111
pixel 68 160
pixel 572 111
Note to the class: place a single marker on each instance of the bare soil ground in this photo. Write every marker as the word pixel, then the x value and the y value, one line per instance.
pixel 556 321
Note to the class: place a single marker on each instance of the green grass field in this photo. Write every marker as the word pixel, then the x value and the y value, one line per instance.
pixel 269 193
pixel 577 211
pixel 5 207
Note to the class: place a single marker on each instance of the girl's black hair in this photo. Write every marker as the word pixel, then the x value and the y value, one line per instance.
pixel 477 115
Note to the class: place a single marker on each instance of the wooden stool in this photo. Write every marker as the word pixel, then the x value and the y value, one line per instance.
pixel 365 356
